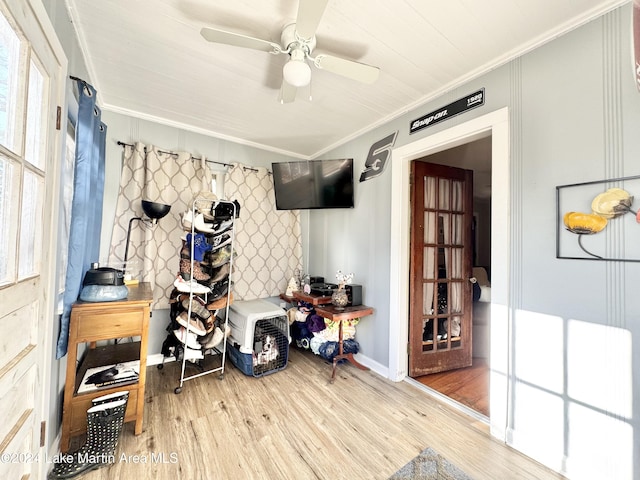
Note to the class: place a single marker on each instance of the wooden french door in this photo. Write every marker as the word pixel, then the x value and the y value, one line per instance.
pixel 440 271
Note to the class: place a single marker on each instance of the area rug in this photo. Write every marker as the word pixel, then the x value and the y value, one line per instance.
pixel 430 465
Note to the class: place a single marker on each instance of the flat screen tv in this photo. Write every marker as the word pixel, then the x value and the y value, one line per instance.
pixel 311 184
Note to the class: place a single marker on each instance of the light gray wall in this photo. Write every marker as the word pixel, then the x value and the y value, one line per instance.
pixel 574 116
pixel 57 12
pixel 482 211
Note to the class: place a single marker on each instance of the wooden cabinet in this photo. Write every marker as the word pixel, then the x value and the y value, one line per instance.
pixel 91 322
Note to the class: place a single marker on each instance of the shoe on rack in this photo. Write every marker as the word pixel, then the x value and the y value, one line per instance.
pixel 219 289
pixel 213 339
pixel 209 324
pixel 220 302
pixel 198 274
pixel 225 210
pixel 195 325
pixel 197 307
pixel 190 340
pixel 201 226
pixel 204 202
pixel 220 241
pixel 219 257
pixel 221 273
pixel 187 220
pixel 220 226
pixel 190 286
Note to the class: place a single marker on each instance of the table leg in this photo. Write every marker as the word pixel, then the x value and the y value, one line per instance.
pixel 341 355
pixel 340 351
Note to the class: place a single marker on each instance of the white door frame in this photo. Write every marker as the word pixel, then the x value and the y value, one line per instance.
pixel 495 124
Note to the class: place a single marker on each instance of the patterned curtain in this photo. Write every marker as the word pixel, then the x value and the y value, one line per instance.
pixel 172 178
pixel 268 242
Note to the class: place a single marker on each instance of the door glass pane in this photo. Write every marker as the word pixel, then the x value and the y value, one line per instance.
pixel 444 193
pixel 456 327
pixel 9 69
pixel 30 247
pixel 36 117
pixel 427 299
pixel 444 229
pixel 456 195
pixel 429 192
pixel 456 297
pixel 442 300
pixel 457 236
pixel 429 263
pixel 456 263
pixel 7 243
pixel 430 230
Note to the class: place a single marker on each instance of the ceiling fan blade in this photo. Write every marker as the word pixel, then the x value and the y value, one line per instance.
pixel 309 15
pixel 287 92
pixel 238 40
pixel 347 68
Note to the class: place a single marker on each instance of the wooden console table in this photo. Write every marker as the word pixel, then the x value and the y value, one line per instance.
pixel 304 297
pixel 339 315
pixel 94 321
pixel 323 307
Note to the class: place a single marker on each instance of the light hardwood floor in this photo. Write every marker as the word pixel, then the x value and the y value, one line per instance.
pixel 294 424
pixel 468 386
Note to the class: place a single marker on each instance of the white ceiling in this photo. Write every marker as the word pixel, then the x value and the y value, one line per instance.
pixel 147 59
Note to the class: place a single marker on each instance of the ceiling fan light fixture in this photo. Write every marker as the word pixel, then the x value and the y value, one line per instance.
pixel 297 73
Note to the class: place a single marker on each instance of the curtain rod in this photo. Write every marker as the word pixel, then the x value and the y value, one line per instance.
pixel 78 79
pixel 173 154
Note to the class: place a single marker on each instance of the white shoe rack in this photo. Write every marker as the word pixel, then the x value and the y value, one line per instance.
pixel 198 356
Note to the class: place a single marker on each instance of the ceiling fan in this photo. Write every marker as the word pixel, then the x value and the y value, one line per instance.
pixel 298 41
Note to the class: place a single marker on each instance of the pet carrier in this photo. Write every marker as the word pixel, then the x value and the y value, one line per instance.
pixel 259 338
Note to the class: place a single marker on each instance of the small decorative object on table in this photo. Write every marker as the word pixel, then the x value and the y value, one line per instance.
pixel 292 287
pixel 339 297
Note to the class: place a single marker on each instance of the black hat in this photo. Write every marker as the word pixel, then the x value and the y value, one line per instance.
pixel 224 210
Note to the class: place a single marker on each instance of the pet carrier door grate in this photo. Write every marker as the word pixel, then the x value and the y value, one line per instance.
pixel 270 346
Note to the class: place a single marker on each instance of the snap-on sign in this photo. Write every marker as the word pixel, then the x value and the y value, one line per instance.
pixel 455 108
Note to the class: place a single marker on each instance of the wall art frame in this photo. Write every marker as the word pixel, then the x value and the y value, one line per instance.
pixel 618 240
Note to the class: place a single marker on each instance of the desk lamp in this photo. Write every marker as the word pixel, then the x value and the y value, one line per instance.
pixel 154 211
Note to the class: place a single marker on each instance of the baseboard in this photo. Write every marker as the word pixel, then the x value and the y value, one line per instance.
pixel 372 364
pixel 443 398
pixel 158 358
